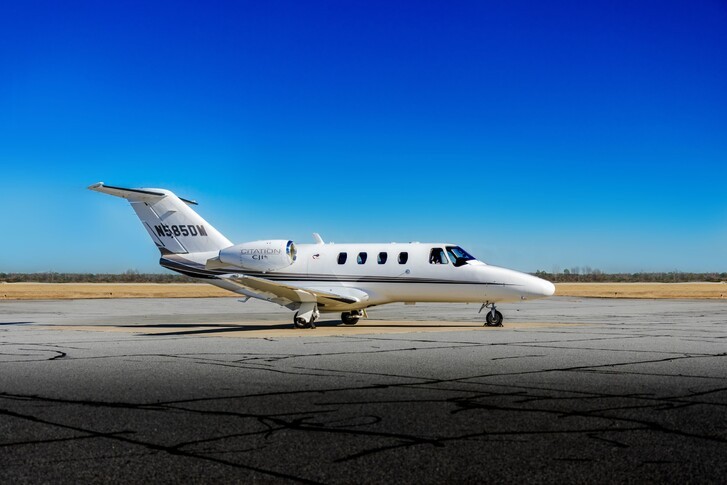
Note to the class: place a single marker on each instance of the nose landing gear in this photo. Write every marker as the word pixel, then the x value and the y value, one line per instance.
pixel 493 318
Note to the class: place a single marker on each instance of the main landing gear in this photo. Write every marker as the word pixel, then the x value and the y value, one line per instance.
pixel 306 316
pixel 493 318
pixel 308 313
pixel 351 318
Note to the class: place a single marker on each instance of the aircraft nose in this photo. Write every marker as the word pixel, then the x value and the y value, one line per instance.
pixel 548 288
pixel 517 285
pixel 540 288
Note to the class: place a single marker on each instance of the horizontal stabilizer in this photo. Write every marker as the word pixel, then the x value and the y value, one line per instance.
pixel 134 194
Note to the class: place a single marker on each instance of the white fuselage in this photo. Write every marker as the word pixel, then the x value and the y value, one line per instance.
pixel 417 279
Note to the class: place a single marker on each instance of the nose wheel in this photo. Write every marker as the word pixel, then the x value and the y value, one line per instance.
pixel 493 318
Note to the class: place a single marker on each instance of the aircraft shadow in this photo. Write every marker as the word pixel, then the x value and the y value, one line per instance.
pixel 200 329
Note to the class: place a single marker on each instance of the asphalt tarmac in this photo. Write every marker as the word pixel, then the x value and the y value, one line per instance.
pixel 209 390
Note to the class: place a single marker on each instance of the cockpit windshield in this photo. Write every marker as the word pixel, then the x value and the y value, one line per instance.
pixel 458 255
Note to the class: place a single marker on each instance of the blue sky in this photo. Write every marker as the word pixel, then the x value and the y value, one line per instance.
pixel 538 135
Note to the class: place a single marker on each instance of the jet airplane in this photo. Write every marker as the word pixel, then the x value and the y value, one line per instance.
pixel 313 278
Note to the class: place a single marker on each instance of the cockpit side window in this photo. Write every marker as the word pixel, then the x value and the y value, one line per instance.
pixel 436 256
pixel 458 255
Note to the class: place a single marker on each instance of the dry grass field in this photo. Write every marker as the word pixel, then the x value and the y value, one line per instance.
pixel 643 290
pixel 72 291
pixel 67 291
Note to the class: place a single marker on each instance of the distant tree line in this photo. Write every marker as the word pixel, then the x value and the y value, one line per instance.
pixel 130 276
pixel 588 275
pixel 574 275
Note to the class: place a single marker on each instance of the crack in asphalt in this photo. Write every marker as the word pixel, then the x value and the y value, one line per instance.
pixel 155 446
pixel 269 408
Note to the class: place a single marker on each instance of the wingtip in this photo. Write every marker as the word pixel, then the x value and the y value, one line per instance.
pixel 95 186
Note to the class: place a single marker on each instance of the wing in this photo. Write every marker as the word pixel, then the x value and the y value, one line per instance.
pixel 290 295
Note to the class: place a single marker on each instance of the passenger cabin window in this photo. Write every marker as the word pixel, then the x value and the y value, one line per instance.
pixel 437 256
pixel 382 258
pixel 403 257
pixel 342 258
pixel 458 255
pixel 361 259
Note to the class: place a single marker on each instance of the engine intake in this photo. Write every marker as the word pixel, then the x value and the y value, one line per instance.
pixel 260 255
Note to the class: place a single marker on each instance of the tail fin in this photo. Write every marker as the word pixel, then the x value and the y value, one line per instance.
pixel 172 224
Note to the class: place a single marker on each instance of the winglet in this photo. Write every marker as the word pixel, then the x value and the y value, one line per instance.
pixel 318 238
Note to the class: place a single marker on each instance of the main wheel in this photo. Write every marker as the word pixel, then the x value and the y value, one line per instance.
pixel 349 319
pixel 494 320
pixel 299 322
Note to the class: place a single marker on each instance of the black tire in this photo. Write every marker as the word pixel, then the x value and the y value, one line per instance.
pixel 348 319
pixel 299 322
pixel 494 321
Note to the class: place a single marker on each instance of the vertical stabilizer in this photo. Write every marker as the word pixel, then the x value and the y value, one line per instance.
pixel 170 221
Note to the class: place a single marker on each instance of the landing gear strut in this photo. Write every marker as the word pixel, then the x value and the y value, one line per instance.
pixel 351 318
pixel 306 316
pixel 493 318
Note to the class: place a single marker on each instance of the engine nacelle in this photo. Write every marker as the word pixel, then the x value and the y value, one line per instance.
pixel 260 255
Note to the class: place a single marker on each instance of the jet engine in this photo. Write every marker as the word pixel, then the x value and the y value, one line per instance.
pixel 259 255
